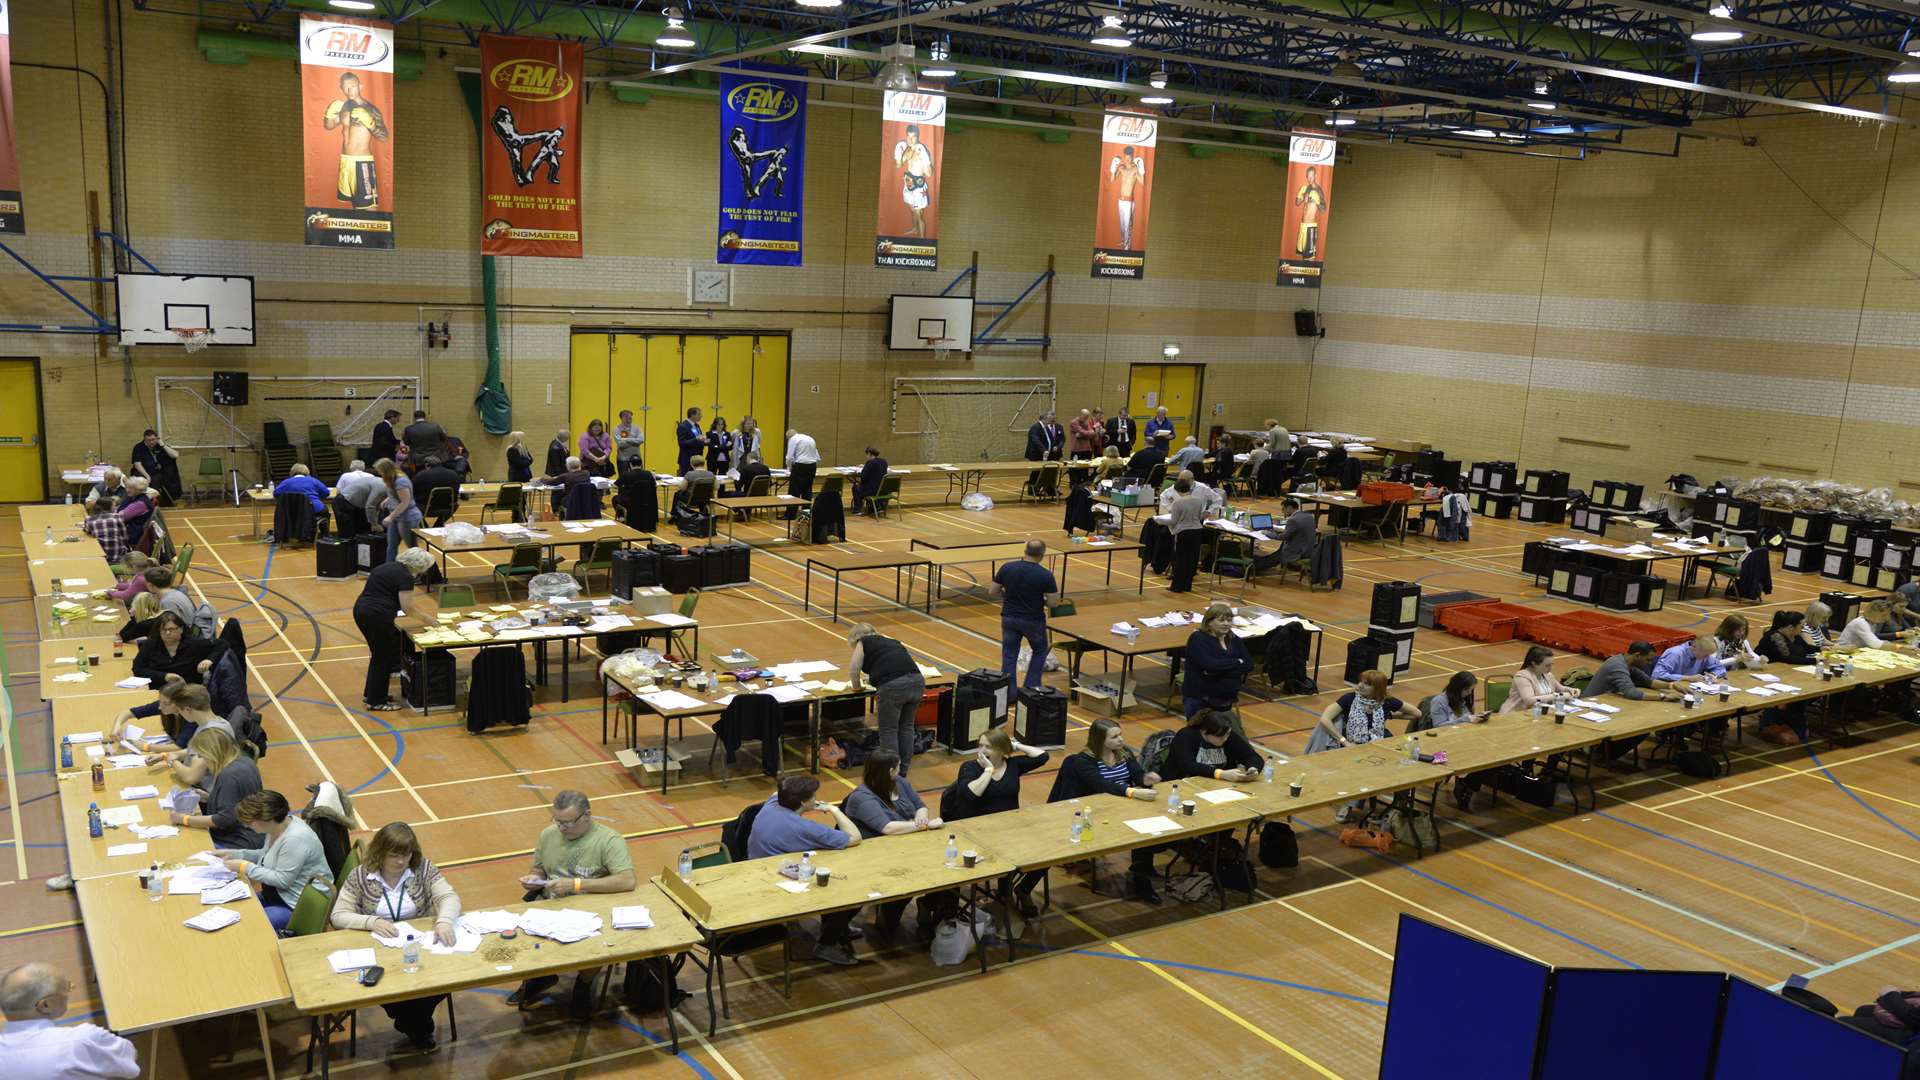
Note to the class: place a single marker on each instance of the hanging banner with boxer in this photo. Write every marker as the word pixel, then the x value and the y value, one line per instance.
pixel 913 136
pixel 1303 229
pixel 346 111
pixel 530 190
pixel 13 217
pixel 1126 168
pixel 763 147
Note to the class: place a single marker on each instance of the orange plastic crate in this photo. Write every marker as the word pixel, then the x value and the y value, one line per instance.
pixel 1605 641
pixel 1485 622
pixel 1566 629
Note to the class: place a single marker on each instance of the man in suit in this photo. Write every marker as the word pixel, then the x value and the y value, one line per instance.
pixel 1296 535
pixel 1140 466
pixel 1121 432
pixel 1045 442
pixel 426 441
pixel 386 441
pixel 693 441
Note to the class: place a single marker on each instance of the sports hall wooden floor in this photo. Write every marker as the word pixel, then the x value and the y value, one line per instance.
pixel 1801 861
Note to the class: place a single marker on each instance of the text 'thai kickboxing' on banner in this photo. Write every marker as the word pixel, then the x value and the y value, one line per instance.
pixel 763 147
pixel 531 173
pixel 1126 171
pixel 1303 229
pixel 913 137
pixel 346 112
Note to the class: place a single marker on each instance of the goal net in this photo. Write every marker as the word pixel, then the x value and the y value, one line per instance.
pixel 970 418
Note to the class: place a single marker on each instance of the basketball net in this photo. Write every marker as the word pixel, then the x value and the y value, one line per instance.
pixel 942 348
pixel 193 339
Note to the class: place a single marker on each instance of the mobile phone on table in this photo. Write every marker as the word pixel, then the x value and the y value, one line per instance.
pixel 371 976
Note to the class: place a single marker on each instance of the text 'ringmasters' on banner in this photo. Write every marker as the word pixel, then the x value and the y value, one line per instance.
pixel 913 137
pixel 530 188
pixel 346 113
pixel 763 147
pixel 1120 227
pixel 1303 229
pixel 13 217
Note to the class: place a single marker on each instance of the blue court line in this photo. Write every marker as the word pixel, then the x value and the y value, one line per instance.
pixel 698 1069
pixel 1864 805
pixel 266 571
pixel 1250 977
pixel 1809 886
pixel 1476 898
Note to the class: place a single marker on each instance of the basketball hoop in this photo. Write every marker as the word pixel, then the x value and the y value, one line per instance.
pixel 193 338
pixel 942 347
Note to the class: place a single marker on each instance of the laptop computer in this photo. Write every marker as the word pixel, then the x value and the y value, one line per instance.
pixel 1259 522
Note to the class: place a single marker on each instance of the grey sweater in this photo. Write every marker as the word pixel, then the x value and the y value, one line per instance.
pixel 1616 676
pixel 1187 512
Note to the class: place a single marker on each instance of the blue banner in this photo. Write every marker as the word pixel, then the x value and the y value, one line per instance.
pixel 763 146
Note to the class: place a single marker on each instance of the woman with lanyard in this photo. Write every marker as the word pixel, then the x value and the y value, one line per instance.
pixel 1217 662
pixel 747 439
pixel 719 446
pixel 1360 716
pixel 393 884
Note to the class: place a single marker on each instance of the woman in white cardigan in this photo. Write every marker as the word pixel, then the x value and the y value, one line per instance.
pixel 393 884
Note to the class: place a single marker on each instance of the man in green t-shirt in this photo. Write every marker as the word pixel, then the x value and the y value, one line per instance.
pixel 575 854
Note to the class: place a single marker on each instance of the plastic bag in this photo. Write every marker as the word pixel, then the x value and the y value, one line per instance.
pixel 1026 655
pixel 630 665
pixel 552 587
pixel 459 532
pixel 976 501
pixel 953 940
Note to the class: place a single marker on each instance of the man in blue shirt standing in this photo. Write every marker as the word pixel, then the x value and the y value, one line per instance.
pixel 693 441
pixel 780 829
pixel 1027 589
pixel 1159 430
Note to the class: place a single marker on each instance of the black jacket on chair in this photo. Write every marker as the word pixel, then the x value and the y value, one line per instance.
pixel 829 517
pixel 293 518
pixel 582 503
pixel 639 499
pixel 498 692
pixel 752 718
pixel 1079 510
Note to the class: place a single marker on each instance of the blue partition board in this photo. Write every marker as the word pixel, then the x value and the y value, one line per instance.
pixel 1460 1009
pixel 1766 1037
pixel 1611 1024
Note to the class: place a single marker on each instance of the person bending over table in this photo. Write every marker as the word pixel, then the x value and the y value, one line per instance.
pixel 1027 589
pixel 1681 663
pixel 781 828
pixel 1863 631
pixel 750 467
pixel 886 805
pixel 184 709
pixel 356 499
pixel 574 855
pixel 232 776
pixel 1360 716
pixel 1627 675
pixel 989 784
pixel 1108 766
pixel 374 612
pixel 1208 496
pixel 867 484
pixel 392 884
pixel 1217 662
pixel 289 862
pixel 897 683
pixel 803 461
pixel 173 651
pixel 34 1044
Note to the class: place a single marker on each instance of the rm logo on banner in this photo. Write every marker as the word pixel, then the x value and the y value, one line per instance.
pixel 13 217
pixel 763 151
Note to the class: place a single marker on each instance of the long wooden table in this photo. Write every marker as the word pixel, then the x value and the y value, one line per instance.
pixel 35 519
pixel 87 857
pixel 82 618
pixel 77 575
pixel 68 543
pixel 549 535
pixel 329 998
pixel 838 563
pixel 738 506
pixel 1096 631
pixel 426 632
pixel 100 676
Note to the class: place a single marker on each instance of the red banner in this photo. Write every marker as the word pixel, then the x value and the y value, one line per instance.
pixel 346 115
pixel 13 218
pixel 530 93
pixel 1126 169
pixel 1303 229
pixel 913 130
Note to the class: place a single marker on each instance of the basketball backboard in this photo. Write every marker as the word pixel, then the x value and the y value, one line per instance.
pixel 154 307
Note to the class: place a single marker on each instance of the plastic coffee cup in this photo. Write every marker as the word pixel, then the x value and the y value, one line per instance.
pixel 1723 695
pixel 94 660
pixel 968 858
pixel 1293 790
pixel 822 876
pixel 1188 807
pixel 1559 716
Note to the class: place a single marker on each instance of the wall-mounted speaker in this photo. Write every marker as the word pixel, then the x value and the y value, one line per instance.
pixel 1307 324
pixel 229 388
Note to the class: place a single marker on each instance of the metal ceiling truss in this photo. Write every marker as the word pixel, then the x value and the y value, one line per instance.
pixel 1424 71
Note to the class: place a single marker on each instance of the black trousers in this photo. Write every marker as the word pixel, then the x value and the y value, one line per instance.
pixel 348 520
pixel 800 479
pixel 413 1017
pixel 837 928
pixel 1186 558
pixel 385 645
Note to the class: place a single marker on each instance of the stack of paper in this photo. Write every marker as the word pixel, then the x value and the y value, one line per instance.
pixel 181 801
pixel 79 737
pixel 669 618
pixel 674 699
pixel 126 849
pixel 121 816
pixel 784 694
pixel 134 682
pixel 142 791
pixel 636 917
pixel 489 922
pixel 345 960
pixel 155 832
pixel 194 880
pixel 223 894
pixel 214 919
pixel 127 761
pixel 565 926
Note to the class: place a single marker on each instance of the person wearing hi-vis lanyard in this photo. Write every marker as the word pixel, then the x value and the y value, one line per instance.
pixel 574 855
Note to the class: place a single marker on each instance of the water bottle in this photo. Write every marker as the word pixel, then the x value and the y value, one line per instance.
pixel 155 890
pixel 806 866
pixel 93 820
pixel 66 752
pixel 1413 748
pixel 99 776
pixel 410 955
pixel 1086 825
pixel 1173 800
pixel 69 498
pixel 49 534
pixel 80 657
pixel 1266 772
pixel 1073 832
pixel 953 852
pixel 686 864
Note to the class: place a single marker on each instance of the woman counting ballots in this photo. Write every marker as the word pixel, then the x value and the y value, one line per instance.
pixel 392 884
pixel 374 612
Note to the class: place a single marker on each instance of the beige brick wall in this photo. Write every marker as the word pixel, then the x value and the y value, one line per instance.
pixel 214 160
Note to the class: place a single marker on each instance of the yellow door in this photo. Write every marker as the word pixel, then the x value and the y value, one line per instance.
pixel 627 379
pixel 1175 386
pixel 663 401
pixel 23 463
pixel 732 399
pixel 770 354
pixel 586 387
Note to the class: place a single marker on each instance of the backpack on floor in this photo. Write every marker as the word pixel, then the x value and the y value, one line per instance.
pixel 1191 888
pixel 1279 847
pixel 1698 764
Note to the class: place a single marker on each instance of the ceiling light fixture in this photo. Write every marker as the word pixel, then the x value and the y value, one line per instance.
pixel 1155 99
pixel 351 5
pixel 675 36
pixel 1477 133
pixel 1542 84
pixel 1720 11
pixel 1112 33
pixel 897 72
pixel 1712 31
pixel 818 3
pixel 1336 119
pixel 1158 80
pixel 1908 72
pixel 938 67
pixel 1544 106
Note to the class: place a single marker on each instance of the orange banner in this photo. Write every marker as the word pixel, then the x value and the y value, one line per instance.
pixel 346 113
pixel 530 93
pixel 1126 186
pixel 913 137
pixel 1303 229
pixel 13 218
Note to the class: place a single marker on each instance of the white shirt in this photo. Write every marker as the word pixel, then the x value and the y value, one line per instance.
pixel 801 450
pixel 397 904
pixel 1205 494
pixel 1859 635
pixel 362 489
pixel 48 1051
